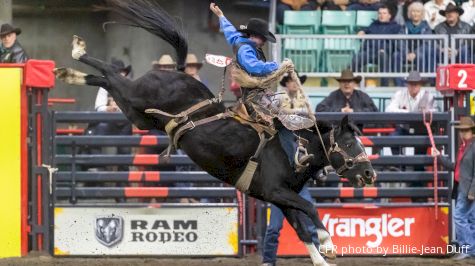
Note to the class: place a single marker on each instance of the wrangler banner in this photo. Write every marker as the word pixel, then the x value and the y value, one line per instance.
pixel 186 231
pixel 378 231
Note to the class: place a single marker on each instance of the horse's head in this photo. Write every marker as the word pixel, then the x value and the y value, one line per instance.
pixel 347 155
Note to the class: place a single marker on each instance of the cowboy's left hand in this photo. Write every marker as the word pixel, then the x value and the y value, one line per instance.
pixel 216 10
pixel 471 197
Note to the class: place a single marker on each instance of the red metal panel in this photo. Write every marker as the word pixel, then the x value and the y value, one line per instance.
pixel 39 74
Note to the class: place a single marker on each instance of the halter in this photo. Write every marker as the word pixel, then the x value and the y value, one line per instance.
pixel 350 162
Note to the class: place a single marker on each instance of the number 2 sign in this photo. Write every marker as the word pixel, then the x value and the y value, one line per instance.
pixel 457 77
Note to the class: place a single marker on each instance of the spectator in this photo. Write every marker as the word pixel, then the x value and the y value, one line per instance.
pixel 412 99
pixel 192 66
pixel 334 4
pixel 290 101
pixel 347 98
pixel 453 25
pixel 469 12
pixel 164 63
pixel 284 5
pixel 416 52
pixel 370 5
pixel 464 188
pixel 378 51
pixel 11 50
pixel 432 11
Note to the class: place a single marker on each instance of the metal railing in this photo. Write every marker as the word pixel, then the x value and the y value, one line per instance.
pixel 462 48
pixel 369 55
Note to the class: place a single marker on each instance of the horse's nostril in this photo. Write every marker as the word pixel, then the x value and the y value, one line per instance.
pixel 368 173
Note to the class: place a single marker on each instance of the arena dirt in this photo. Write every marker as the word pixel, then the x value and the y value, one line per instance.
pixel 41 260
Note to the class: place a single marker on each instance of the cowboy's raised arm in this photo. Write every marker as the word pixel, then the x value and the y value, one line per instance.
pixel 230 32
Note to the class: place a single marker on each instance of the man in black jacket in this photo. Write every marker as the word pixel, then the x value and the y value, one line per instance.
pixel 11 50
pixel 347 99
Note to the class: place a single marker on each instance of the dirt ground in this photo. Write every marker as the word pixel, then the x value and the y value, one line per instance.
pixel 40 260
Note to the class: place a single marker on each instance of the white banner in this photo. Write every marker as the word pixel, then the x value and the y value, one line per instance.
pixel 146 231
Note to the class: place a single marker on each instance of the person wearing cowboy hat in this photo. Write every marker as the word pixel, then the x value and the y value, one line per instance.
pixel 247 44
pixel 464 188
pixel 347 98
pixel 11 51
pixel 193 66
pixel 452 23
pixel 164 63
pixel 432 8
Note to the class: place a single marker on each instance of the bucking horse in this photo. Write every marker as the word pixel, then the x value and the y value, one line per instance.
pixel 222 145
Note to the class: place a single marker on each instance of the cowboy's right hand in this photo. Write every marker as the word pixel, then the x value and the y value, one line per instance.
pixel 216 10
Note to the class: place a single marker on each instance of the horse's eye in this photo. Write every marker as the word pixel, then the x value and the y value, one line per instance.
pixel 349 145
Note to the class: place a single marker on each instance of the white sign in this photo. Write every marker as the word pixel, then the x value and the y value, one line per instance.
pixel 186 231
pixel 218 60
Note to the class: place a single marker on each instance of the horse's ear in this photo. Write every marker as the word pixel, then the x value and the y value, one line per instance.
pixel 344 122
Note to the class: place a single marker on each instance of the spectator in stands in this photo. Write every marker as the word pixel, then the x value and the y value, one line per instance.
pixel 416 52
pixel 284 5
pixel 347 98
pixel 378 51
pixel 164 63
pixel 193 66
pixel 469 12
pixel 464 188
pixel 370 5
pixel 409 100
pixel 453 25
pixel 105 103
pixel 432 11
pixel 290 101
pixel 11 51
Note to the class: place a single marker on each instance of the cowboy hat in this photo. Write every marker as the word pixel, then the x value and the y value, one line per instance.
pixel 285 79
pixel 347 75
pixel 259 27
pixel 165 60
pixel 451 8
pixel 414 77
pixel 466 122
pixel 119 66
pixel 7 29
pixel 192 60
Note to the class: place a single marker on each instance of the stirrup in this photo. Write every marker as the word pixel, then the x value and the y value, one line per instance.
pixel 302 162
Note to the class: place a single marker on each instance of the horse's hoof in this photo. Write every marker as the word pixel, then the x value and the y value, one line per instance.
pixel 79 47
pixel 70 76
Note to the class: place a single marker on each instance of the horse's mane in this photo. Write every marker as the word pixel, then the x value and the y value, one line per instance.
pixel 149 16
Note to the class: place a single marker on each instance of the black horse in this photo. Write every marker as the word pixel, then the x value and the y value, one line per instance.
pixel 223 147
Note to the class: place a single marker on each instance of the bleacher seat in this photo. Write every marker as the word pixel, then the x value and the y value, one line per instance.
pixel 365 18
pixel 305 53
pixel 302 22
pixel 337 54
pixel 338 22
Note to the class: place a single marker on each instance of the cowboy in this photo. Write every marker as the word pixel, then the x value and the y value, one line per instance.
pixel 247 45
pixel 347 98
pixel 464 188
pixel 193 66
pixel 11 51
pixel 165 63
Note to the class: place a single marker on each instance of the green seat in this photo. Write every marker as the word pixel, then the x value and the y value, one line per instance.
pixel 338 22
pixel 304 53
pixel 301 22
pixel 365 18
pixel 338 53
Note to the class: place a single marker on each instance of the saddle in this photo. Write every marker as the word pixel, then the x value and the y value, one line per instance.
pixel 241 114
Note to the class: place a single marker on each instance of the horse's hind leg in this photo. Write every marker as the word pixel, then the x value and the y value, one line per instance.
pixel 75 77
pixel 298 222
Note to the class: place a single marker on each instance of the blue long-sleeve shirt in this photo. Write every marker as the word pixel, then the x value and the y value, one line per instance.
pixel 246 54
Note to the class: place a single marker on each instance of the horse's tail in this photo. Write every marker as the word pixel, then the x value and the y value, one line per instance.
pixel 150 16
